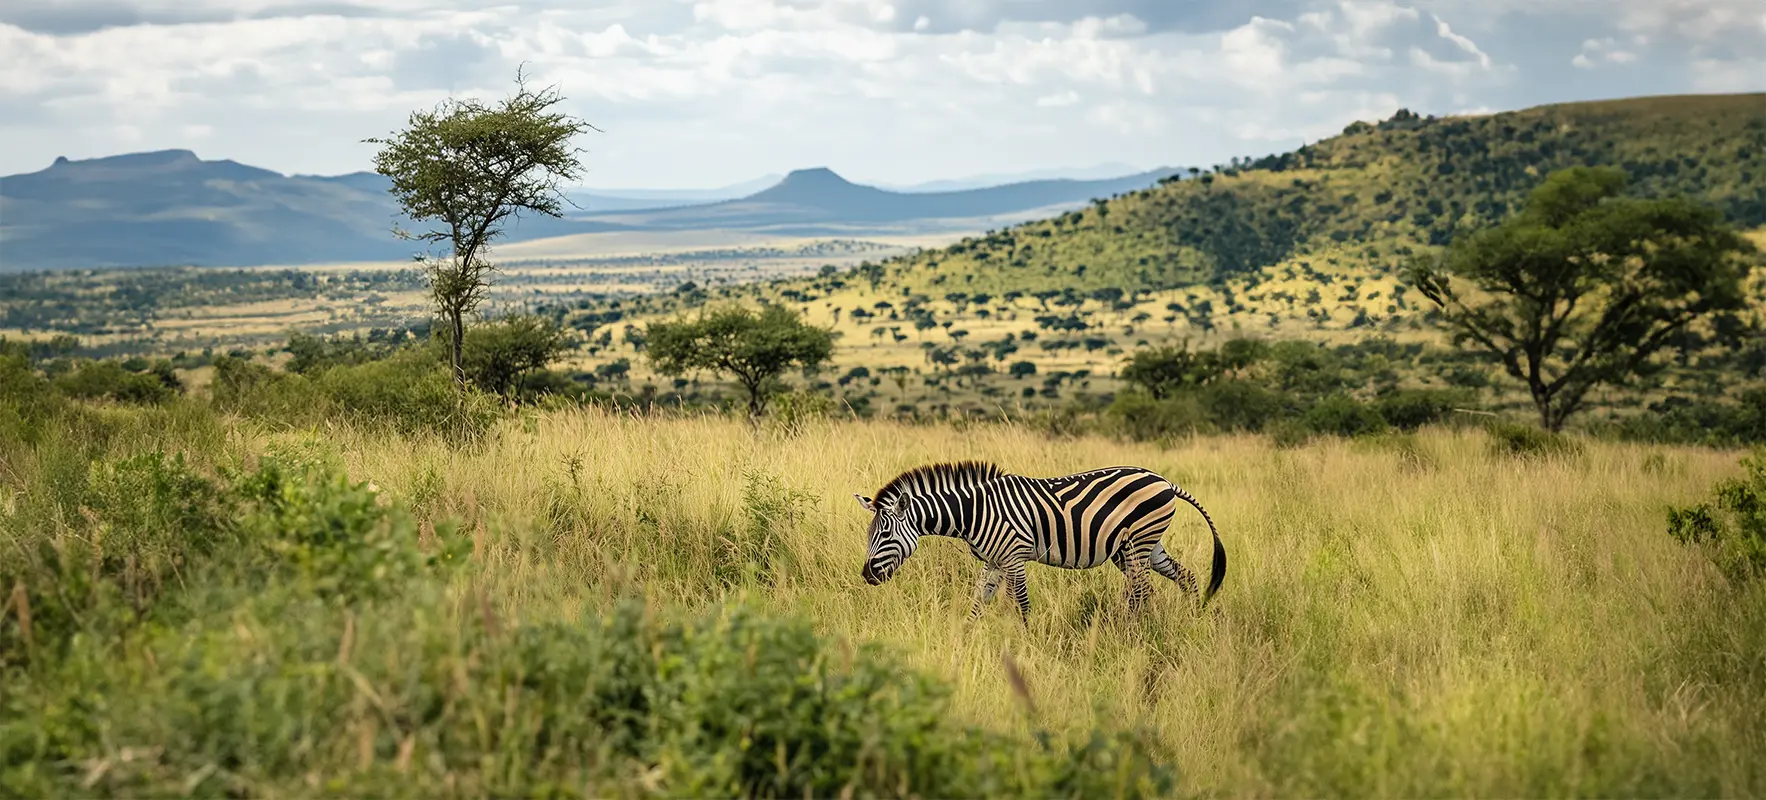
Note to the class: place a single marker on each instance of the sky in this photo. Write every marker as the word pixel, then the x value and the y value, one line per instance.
pixel 705 93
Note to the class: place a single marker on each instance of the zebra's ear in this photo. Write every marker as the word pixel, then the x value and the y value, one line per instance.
pixel 869 504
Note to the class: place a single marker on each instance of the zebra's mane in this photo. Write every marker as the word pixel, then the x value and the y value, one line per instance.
pixel 932 476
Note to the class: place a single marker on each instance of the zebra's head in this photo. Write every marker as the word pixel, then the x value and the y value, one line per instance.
pixel 892 537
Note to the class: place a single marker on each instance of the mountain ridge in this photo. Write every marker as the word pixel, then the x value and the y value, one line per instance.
pixel 818 195
pixel 167 207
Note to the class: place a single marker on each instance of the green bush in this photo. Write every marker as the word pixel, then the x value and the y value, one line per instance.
pixel 1240 405
pixel 500 354
pixel 409 392
pixel 108 380
pixel 1732 526
pixel 1409 409
pixel 1341 415
pixel 97 550
pixel 27 401
pixel 1682 420
pixel 1527 441
pixel 280 697
pixel 1145 418
pixel 97 547
pixel 335 535
pixel 260 392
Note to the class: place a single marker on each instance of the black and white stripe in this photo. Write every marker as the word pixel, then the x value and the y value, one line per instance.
pixel 1116 514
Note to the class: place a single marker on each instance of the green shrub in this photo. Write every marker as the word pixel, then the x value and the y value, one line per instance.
pixel 500 354
pixel 260 392
pixel 1341 415
pixel 27 402
pixel 1732 526
pixel 108 380
pixel 97 552
pixel 335 535
pixel 793 410
pixel 409 392
pixel 1682 420
pixel 1527 441
pixel 1409 409
pixel 1145 418
pixel 279 697
pixel 1240 405
pixel 102 546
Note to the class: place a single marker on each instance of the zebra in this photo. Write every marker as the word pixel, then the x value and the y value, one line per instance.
pixel 1074 521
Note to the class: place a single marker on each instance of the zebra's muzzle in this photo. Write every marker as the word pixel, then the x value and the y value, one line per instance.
pixel 872 575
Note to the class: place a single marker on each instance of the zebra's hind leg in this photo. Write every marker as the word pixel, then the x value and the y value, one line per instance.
pixel 1134 569
pixel 1165 565
pixel 984 589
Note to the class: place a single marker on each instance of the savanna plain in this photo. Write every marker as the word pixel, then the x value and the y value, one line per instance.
pixel 1416 614
pixel 278 533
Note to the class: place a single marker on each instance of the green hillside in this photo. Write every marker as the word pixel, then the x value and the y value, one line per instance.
pixel 1364 198
pixel 1301 245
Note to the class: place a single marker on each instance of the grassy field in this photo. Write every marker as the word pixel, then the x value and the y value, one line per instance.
pixel 1402 617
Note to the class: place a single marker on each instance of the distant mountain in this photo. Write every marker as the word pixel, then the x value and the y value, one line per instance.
pixel 820 196
pixel 729 192
pixel 1093 173
pixel 171 207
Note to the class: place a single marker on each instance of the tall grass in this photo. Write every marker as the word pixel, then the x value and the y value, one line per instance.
pixel 1405 615
pixel 1408 615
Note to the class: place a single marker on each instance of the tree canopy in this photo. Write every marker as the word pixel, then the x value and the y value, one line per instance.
pixel 466 168
pixel 755 349
pixel 1585 285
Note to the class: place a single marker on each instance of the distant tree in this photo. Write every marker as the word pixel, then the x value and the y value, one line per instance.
pixel 1022 369
pixel 753 348
pixel 1163 371
pixel 1585 285
pixel 1238 353
pixel 923 323
pixel 499 355
pixel 467 168
pixel 614 370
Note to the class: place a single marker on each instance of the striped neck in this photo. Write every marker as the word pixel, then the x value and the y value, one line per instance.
pixel 950 512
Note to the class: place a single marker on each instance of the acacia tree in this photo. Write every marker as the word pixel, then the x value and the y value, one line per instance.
pixel 1585 285
pixel 753 348
pixel 467 168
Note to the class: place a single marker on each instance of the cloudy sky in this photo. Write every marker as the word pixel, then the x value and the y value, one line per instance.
pixel 700 93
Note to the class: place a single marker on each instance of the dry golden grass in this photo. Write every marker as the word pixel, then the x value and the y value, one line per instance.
pixel 1401 617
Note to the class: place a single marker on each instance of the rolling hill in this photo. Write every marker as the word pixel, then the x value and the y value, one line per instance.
pixel 1300 246
pixel 1364 199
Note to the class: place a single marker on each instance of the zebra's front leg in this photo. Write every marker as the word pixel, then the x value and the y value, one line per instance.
pixel 984 589
pixel 1020 590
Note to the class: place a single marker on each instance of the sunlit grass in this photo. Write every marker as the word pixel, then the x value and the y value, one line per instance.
pixel 1406 616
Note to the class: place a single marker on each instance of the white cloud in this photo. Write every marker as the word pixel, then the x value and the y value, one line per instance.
pixel 1446 32
pixel 1599 52
pixel 716 91
pixel 1058 100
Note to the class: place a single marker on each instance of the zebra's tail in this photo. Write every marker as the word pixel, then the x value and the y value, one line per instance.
pixel 1217 573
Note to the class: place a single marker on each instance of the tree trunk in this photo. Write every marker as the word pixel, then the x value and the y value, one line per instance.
pixel 457 349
